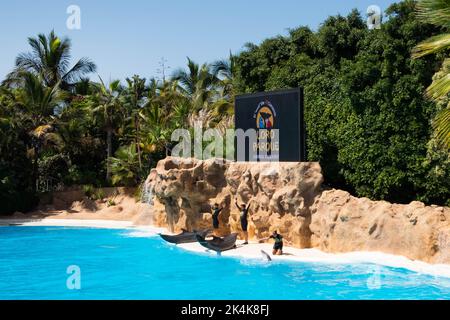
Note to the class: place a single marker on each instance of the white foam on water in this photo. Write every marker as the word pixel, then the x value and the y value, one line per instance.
pixel 143 232
pixel 108 247
pixel 253 251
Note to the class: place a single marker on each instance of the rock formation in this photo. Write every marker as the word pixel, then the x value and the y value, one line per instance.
pixel 342 223
pixel 288 197
pixel 116 204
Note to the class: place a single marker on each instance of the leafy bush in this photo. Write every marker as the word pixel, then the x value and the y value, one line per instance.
pixel 93 193
pixel 98 194
pixel 125 166
pixel 89 190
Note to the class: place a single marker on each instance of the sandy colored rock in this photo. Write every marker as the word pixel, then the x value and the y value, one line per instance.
pixel 342 223
pixel 118 204
pixel 186 189
pixel 288 197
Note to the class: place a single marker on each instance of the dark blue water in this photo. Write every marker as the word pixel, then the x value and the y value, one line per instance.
pixel 115 265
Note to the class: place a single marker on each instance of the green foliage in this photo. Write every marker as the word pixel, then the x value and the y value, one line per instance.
pixel 89 190
pixel 98 194
pixel 15 192
pixel 111 203
pixel 125 166
pixel 93 193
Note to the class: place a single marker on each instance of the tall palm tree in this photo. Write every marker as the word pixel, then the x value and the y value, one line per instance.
pixel 50 59
pixel 134 101
pixel 197 83
pixel 225 71
pixel 223 108
pixel 437 12
pixel 39 103
pixel 158 126
pixel 108 114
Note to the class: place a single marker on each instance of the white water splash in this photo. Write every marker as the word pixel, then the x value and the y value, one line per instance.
pixel 141 233
pixel 147 194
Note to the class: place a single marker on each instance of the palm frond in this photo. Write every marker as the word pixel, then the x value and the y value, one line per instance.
pixel 28 62
pixel 187 84
pixel 436 12
pixel 432 45
pixel 439 88
pixel 441 126
pixel 221 67
pixel 81 68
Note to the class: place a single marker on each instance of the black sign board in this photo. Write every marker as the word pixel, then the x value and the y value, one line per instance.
pixel 277 117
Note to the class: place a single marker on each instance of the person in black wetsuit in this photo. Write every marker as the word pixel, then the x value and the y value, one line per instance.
pixel 215 216
pixel 278 245
pixel 244 218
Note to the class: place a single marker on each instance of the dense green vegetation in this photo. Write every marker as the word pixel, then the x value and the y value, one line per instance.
pixel 368 121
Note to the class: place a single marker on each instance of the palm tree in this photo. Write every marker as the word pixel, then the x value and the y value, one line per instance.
pixel 437 12
pixel 225 71
pixel 85 87
pixel 223 107
pixel 134 98
pixel 197 83
pixel 124 166
pixel 39 103
pixel 50 59
pixel 108 114
pixel 157 131
pixel 166 94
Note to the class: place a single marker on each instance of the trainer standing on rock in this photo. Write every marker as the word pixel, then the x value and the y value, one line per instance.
pixel 215 216
pixel 244 218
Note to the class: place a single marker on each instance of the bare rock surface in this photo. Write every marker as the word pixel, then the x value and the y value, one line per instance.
pixel 342 223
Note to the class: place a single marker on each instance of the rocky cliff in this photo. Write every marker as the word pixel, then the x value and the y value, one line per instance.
pixel 288 197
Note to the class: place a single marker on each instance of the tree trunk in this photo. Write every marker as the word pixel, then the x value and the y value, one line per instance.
pixel 138 145
pixel 109 134
pixel 35 170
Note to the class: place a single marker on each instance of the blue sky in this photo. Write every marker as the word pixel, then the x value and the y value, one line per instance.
pixel 130 37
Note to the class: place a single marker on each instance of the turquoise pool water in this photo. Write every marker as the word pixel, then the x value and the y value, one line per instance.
pixel 116 265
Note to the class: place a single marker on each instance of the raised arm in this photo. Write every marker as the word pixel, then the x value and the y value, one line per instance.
pixel 249 204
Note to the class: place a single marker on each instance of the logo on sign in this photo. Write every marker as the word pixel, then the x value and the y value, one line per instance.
pixel 265 115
